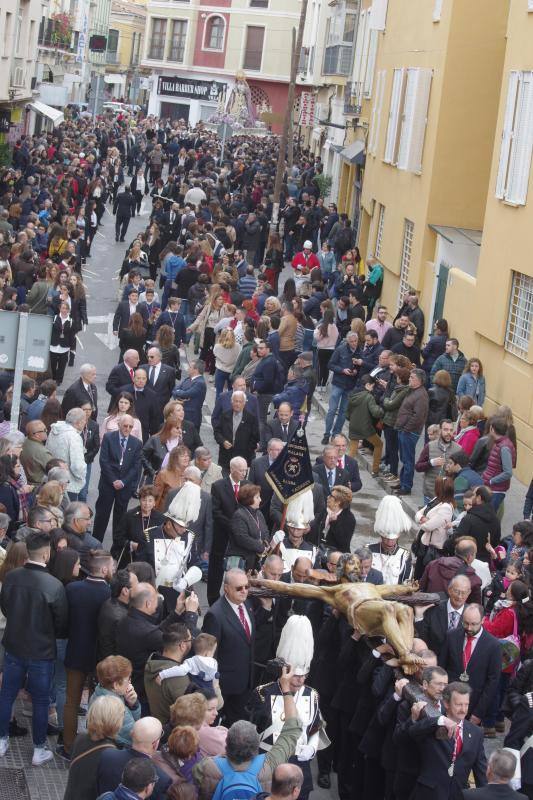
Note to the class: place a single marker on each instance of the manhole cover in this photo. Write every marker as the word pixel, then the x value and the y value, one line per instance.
pixel 13 784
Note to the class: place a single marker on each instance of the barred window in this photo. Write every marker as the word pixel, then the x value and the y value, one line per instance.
pixel 520 317
pixel 379 232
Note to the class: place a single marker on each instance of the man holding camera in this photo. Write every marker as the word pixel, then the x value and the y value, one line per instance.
pixel 345 364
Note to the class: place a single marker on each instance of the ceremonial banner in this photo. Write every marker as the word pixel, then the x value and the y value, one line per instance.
pixel 291 473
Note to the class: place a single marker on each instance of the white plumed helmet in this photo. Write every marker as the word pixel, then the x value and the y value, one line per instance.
pixel 301 510
pixel 296 645
pixel 391 520
pixel 185 507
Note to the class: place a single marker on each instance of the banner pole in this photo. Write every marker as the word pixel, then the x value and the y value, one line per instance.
pixel 283 516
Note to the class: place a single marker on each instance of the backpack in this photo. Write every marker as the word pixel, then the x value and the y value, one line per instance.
pixel 238 785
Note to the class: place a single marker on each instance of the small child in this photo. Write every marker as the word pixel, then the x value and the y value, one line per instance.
pixel 433 432
pixel 496 594
pixel 202 668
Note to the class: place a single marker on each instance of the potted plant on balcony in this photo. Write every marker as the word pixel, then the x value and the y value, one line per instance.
pixel 62 32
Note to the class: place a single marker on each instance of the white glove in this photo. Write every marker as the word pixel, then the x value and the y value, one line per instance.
pixel 278 537
pixel 305 752
pixel 529 698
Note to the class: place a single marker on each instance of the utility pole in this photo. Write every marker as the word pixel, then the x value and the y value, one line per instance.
pixel 290 103
pixel 290 143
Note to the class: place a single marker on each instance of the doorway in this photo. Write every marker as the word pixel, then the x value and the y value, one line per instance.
pixel 440 294
pixel 175 111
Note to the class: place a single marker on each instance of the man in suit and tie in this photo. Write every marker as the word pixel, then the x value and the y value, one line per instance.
pixel 191 391
pixel 368 573
pixel 346 462
pixel 283 426
pixel 120 469
pixel 210 472
pixel 433 627
pixel 500 769
pixel 237 432
pixel 231 621
pixel 223 401
pixel 265 614
pixel 161 378
pixel 82 391
pixel 122 373
pixel 145 402
pixel 225 496
pixel 328 473
pixel 258 471
pixel 446 763
pixel 473 656
pixel 124 311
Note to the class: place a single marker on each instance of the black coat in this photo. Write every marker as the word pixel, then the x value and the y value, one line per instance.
pixel 480 522
pixel 352 467
pixel 117 379
pixel 274 430
pixel 224 505
pixel 63 333
pixel 441 405
pixel 116 466
pixel 91 441
pixel 493 791
pixel 257 475
pixel 146 408
pixel 166 380
pixel 433 627
pixel 246 437
pixel 130 529
pixel 320 474
pixel 484 668
pixel 124 205
pixel 85 599
pixel 235 654
pixel 121 318
pixel 434 782
pixel 76 395
pixel 248 535
pixel 111 613
pixel 341 531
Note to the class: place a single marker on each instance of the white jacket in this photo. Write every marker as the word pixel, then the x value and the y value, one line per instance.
pixel 435 530
pixel 65 442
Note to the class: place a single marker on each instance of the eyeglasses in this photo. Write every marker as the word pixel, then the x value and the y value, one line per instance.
pixel 127 426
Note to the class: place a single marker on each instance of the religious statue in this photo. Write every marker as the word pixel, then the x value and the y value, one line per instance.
pixel 371 610
pixel 239 105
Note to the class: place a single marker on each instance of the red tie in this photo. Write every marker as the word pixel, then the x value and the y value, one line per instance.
pixel 467 652
pixel 458 743
pixel 244 622
pixel 131 374
pixel 339 463
pixel 236 491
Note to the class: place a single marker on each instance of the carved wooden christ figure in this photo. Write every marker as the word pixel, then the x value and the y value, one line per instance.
pixel 369 609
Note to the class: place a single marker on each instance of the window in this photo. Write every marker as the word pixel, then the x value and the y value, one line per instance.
pixel 518 331
pixel 407 247
pixel 214 37
pixel 371 63
pixel 31 43
pixel 112 47
pixel 379 231
pixel 157 41
pixel 530 5
pixel 338 53
pixel 375 121
pixel 437 10
pixel 8 33
pixel 517 140
pixel 408 118
pixel 253 51
pixel 258 3
pixel 177 40
pixel 379 15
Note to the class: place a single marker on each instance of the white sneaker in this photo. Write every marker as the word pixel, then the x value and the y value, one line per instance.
pixel 41 755
pixel 4 745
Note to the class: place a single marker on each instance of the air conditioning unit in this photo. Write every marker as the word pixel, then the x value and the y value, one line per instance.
pixel 18 78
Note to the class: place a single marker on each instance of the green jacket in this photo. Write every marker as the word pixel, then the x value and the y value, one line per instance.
pixel 244 358
pixel 392 404
pixel 362 412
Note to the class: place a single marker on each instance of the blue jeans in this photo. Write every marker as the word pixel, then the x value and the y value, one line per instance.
pixel 391 452
pixel 60 679
pixel 220 381
pixel 38 674
pixel 407 442
pixel 338 402
pixel 497 499
pixel 82 497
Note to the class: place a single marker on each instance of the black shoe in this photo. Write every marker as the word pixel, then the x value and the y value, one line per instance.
pixel 16 730
pixel 325 439
pixel 62 753
pixel 52 730
pixel 122 240
pixel 399 492
pixel 324 781
pixel 116 238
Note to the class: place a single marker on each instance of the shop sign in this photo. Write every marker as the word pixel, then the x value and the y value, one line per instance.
pixel 177 86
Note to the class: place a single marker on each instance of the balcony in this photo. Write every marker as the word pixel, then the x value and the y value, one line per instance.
pixel 55 36
pixel 350 96
pixel 338 60
pixel 19 75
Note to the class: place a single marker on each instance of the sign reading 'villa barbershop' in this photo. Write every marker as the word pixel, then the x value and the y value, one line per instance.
pixel 176 86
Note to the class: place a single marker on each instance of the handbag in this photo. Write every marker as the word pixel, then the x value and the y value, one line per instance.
pixel 510 647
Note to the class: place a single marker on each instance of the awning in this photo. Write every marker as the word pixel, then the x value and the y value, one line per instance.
pixel 57 117
pixel 330 145
pixel 115 79
pixel 463 236
pixel 353 150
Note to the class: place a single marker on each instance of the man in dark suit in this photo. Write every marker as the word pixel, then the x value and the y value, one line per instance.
pixel 433 627
pixel 346 462
pixel 224 493
pixel 368 573
pixel 82 391
pixel 237 432
pixel 258 471
pixel 123 208
pixel 446 763
pixel 223 401
pixel 124 311
pixel 122 373
pixel 191 391
pixel 145 402
pixel 120 470
pixel 231 621
pixel 328 473
pixel 500 769
pixel 474 656
pixel 283 426
pixel 161 378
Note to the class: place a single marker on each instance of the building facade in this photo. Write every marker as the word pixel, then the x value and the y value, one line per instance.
pixel 194 50
pixel 123 74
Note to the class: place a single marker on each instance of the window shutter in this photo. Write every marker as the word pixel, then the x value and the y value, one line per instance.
pixel 371 63
pixel 437 10
pixel 376 112
pixel 364 59
pixel 414 119
pixel 359 47
pixel 378 17
pixel 522 141
pixel 394 114
pixel 507 132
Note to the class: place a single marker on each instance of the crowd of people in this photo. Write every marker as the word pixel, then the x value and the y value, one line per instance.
pixel 243 702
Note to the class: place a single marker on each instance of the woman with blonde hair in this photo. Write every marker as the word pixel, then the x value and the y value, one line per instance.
pixel 171 475
pixel 204 324
pixel 226 352
pixel 358 326
pixel 50 495
pixel 105 718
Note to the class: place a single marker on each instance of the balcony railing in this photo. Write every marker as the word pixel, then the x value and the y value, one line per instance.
pixel 49 37
pixel 338 60
pixel 350 96
pixel 19 74
pixel 111 57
